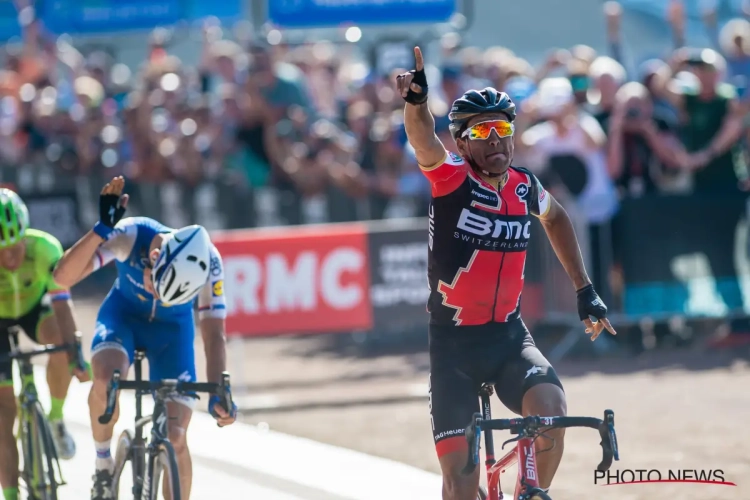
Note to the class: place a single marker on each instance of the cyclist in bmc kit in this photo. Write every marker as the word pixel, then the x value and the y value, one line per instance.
pixel 479 229
pixel 150 306
pixel 27 258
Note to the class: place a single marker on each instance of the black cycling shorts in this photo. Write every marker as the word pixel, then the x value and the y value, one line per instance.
pixel 462 358
pixel 29 323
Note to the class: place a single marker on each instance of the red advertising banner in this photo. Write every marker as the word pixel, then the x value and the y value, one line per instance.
pixel 296 280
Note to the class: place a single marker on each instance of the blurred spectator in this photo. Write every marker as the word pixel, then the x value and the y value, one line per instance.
pixel 644 154
pixel 606 76
pixel 567 151
pixel 568 148
pixel 318 127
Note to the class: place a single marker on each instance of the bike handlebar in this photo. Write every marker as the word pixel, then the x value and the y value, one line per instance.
pixel 163 388
pixel 533 424
pixel 50 349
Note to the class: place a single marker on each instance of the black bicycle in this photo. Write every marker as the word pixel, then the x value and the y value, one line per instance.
pixel 41 471
pixel 527 430
pixel 150 460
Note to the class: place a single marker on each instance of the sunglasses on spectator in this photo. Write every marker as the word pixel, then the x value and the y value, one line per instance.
pixel 482 130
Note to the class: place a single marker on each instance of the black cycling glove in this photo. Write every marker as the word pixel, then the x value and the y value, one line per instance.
pixel 420 79
pixel 110 213
pixel 589 304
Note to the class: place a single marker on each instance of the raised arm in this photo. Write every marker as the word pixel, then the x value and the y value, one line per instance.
pixel 418 120
pixel 80 260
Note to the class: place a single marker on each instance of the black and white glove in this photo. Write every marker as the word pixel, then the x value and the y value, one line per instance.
pixel 591 305
pixel 412 86
pixel 112 205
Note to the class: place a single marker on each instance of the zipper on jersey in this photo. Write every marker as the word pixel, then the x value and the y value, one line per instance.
pixel 16 294
pixel 153 310
pixel 499 269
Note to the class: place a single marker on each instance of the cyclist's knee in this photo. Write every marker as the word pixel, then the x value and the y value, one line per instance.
pixel 459 487
pixel 103 365
pixel 105 362
pixel 178 438
pixel 49 331
pixel 546 400
pixel 8 409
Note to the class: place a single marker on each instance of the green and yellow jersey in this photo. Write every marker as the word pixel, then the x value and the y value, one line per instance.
pixel 23 289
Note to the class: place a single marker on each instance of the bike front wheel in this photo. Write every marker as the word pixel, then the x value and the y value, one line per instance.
pixel 39 455
pixel 125 453
pixel 164 469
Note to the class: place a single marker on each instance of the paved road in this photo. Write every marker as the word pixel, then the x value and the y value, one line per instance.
pixel 246 461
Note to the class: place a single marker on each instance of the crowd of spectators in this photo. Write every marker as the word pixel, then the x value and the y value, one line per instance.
pixel 304 117
pixel 307 118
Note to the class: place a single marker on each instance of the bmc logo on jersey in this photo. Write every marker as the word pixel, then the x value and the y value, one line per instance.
pixel 498 229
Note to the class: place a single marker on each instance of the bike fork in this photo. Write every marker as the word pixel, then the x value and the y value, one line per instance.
pixel 138 462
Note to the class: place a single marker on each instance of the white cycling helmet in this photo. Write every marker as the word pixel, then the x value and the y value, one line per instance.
pixel 182 268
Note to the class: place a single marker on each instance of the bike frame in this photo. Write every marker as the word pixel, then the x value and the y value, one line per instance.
pixel 27 398
pixel 141 453
pixel 523 453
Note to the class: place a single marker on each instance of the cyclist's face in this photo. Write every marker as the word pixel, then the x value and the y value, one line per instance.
pixel 152 256
pixel 147 283
pixel 493 154
pixel 12 257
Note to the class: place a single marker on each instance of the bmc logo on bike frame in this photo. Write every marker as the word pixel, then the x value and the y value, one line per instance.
pixel 482 226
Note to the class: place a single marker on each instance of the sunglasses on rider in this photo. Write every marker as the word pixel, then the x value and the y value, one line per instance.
pixel 482 130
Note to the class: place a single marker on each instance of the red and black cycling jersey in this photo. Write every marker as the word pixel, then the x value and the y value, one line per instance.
pixel 478 236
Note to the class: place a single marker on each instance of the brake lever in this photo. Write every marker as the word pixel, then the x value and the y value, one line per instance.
pixel 608 442
pixel 511 440
pixel 80 361
pixel 473 433
pixel 112 388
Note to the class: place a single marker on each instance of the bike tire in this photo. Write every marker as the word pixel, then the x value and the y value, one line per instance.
pixel 46 457
pixel 25 435
pixel 539 495
pixel 165 461
pixel 123 455
pixel 482 493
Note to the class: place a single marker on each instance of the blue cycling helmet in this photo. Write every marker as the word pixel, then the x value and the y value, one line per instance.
pixel 479 102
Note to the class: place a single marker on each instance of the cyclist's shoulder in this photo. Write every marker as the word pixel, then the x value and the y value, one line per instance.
pixel 217 266
pixel 40 244
pixel 521 173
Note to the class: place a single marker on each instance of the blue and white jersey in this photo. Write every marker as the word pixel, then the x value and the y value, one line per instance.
pixel 129 245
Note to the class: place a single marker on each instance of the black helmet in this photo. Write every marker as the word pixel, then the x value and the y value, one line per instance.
pixel 478 102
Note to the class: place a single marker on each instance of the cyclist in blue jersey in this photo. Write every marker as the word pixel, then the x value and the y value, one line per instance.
pixel 160 274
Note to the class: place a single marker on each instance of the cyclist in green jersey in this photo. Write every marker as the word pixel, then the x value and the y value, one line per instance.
pixel 32 301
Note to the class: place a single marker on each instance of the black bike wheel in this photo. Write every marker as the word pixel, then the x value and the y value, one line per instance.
pixel 122 457
pixel 165 462
pixel 537 494
pixel 26 437
pixel 46 460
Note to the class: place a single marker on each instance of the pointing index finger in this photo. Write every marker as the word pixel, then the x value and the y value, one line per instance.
pixel 418 59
